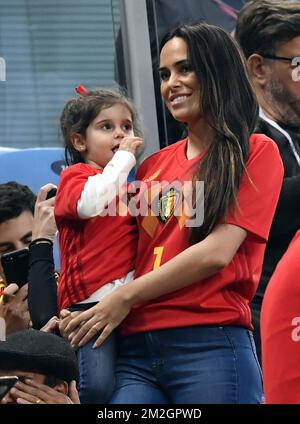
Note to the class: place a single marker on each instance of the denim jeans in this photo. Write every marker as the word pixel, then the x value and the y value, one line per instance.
pixel 97 370
pixel 200 365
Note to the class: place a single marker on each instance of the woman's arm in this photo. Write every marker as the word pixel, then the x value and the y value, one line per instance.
pixel 194 264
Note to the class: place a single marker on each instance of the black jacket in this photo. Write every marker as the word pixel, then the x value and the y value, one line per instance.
pixel 42 285
pixel 287 216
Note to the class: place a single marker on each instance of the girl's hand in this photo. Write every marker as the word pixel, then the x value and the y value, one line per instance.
pixel 65 318
pixel 106 315
pixel 131 144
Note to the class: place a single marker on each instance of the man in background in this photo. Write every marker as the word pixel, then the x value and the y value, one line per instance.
pixel 23 219
pixel 268 32
pixel 45 365
pixel 16 221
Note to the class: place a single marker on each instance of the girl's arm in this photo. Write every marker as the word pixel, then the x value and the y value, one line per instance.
pixel 194 264
pixel 101 189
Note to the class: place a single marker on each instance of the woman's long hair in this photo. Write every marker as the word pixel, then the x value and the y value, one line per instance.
pixel 229 105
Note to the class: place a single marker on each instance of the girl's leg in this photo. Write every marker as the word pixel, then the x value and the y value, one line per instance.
pixel 97 370
pixel 136 368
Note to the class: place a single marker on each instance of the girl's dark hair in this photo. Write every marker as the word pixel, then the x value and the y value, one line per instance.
pixel 79 112
pixel 229 105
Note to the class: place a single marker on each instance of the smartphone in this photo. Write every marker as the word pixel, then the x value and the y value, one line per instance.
pixel 15 266
pixel 51 193
pixel 6 383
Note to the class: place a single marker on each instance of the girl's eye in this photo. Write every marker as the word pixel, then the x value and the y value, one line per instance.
pixel 127 127
pixel 106 127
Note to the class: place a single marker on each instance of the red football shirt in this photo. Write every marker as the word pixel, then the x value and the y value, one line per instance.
pixel 280 329
pixel 223 298
pixel 93 251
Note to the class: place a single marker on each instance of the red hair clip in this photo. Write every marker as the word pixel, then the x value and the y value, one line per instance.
pixel 80 89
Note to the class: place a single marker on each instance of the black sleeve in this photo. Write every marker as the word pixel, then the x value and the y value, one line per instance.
pixel 42 286
pixel 287 216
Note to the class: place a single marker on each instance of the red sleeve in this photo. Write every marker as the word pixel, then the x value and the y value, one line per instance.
pixel 258 195
pixel 70 187
pixel 280 329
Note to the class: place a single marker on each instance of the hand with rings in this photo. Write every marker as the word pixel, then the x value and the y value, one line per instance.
pixel 31 392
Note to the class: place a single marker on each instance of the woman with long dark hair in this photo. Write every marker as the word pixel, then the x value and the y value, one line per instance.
pixel 186 323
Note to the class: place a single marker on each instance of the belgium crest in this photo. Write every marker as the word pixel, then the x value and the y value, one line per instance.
pixel 167 203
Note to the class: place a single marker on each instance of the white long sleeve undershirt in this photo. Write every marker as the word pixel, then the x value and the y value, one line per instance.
pixel 101 189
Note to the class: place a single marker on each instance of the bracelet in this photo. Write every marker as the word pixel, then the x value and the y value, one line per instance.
pixel 40 240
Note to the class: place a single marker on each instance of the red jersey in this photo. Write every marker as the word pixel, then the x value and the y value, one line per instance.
pixel 222 299
pixel 93 251
pixel 280 329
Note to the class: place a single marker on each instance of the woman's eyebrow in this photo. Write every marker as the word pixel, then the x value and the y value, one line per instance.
pixel 178 63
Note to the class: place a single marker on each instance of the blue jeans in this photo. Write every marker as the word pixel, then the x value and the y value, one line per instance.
pixel 199 365
pixel 97 370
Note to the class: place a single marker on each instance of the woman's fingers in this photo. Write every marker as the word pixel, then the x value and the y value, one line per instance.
pixel 103 336
pixel 95 329
pixel 75 321
pixel 87 331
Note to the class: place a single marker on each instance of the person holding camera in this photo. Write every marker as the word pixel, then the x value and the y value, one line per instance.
pixel 23 224
pixel 37 368
pixel 16 221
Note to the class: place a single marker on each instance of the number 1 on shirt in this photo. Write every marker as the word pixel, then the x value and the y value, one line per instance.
pixel 158 251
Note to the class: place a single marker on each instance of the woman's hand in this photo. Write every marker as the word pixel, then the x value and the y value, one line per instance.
pixel 106 315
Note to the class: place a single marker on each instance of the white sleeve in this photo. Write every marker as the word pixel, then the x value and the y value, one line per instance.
pixel 101 189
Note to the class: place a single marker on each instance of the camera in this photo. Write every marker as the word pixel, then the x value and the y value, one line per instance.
pixel 15 266
pixel 51 193
pixel 6 383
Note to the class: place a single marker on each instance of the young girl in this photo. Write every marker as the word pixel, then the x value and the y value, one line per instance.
pixel 187 328
pixel 97 250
